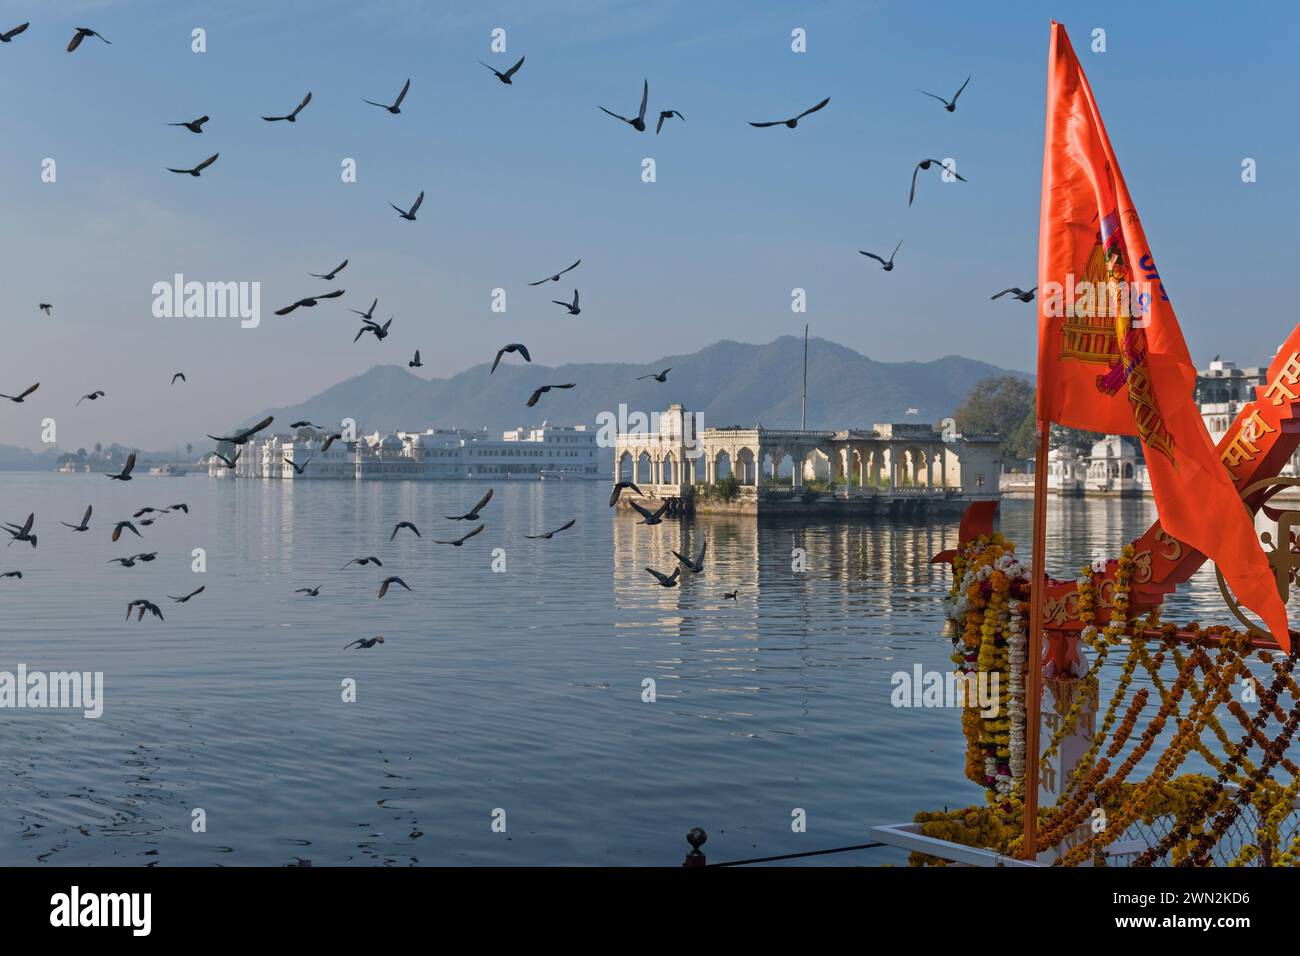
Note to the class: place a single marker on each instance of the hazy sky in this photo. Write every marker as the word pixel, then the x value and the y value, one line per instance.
pixel 522 180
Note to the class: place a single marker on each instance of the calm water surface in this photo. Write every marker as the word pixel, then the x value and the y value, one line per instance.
pixel 519 690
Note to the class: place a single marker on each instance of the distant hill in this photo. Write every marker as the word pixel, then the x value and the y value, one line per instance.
pixel 13 458
pixel 732 383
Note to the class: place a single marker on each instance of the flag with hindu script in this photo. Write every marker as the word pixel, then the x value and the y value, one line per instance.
pixel 1111 357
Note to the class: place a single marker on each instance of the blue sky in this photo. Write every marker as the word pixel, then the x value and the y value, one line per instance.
pixel 522 180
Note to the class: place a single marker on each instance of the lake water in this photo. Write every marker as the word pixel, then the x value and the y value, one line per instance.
pixel 518 690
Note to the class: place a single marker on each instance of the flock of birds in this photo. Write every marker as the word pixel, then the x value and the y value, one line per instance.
pixel 688 564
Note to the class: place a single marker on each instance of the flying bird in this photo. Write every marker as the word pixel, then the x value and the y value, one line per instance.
pixel 415 362
pixel 548 535
pixel 637 124
pixel 182 600
pixel 556 277
pixel 658 377
pixel 925 164
pixel 229 462
pixel 329 440
pixel 97 394
pixel 363 561
pixel 507 76
pixel 1020 294
pixel 380 331
pixel 125 562
pixel 369 314
pixel 181 376
pixel 403 524
pixel 10 34
pixel 383 588
pixel 125 473
pixel 81 34
pixel 666 580
pixel 648 516
pixel 194 126
pixel 144 606
pixel 23 533
pixel 329 276
pixel 244 434
pixel 364 642
pixel 148 511
pixel 292 117
pixel 309 302
pixel 397 106
pixel 512 347
pixel 667 115
pixel 543 390
pixel 792 123
pixel 45 307
pixel 304 424
pixel 12 574
pixel 696 566
pixel 197 170
pixel 410 214
pixel 459 541
pixel 180 507
pixel 618 490
pixel 886 266
pixel 19 398
pixel 125 526
pixel 949 105
pixel 313 592
pixel 472 514
pixel 573 308
pixel 297 468
pixel 85 521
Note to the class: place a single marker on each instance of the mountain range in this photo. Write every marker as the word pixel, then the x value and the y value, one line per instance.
pixel 731 383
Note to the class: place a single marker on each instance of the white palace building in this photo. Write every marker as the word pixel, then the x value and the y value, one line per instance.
pixel 548 451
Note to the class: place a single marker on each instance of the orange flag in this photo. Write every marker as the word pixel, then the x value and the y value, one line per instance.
pixel 1111 357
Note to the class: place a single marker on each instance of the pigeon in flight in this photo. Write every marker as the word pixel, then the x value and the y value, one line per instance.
pixel 85 521
pixel 23 533
pixel 181 376
pixel 93 396
pixel 310 301
pixel 363 561
pixel 125 526
pixel 229 462
pixel 297 468
pixel 45 307
pixel 368 315
pixel 397 106
pixel 508 76
pixel 144 606
pixel 533 399
pixel 648 516
pixel 149 511
pixel 472 514
pixel 383 588
pixel 81 34
pixel 792 123
pixel 556 277
pixel 312 592
pixel 292 117
pixel 410 214
pixel 666 580
pixel 19 398
pixel 194 126
pixel 182 600
pixel 180 507
pixel 329 440
pixel 1020 294
pixel 667 115
pixel 380 331
pixel 329 276
pixel 618 490
pixel 512 347
pixel 415 362
pixel 305 424
pixel 886 266
pixel 696 566
pixel 949 105
pixel 10 34
pixel 660 377
pixel 459 541
pixel 925 164
pixel 403 524
pixel 637 124
pixel 12 574
pixel 548 535
pixel 364 642
pixel 572 307
pixel 125 473
pixel 244 434
pixel 197 170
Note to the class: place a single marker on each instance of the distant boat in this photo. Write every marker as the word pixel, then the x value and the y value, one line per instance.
pixel 169 471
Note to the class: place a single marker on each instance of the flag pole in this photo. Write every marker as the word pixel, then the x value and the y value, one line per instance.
pixel 1034 651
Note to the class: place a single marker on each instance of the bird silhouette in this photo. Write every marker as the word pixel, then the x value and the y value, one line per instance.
pixel 45 307
pixel 1020 294
pixel 244 434
pixel 548 535
pixel 363 561
pixel 19 398
pixel 312 592
pixel 508 76
pixel 380 332
pixel 310 301
pixel 886 266
pixel 144 606
pixel 949 105
pixel 658 377
pixel 85 521
pixel 292 117
pixel 695 566
pixel 181 376
pixel 197 170
pixel 368 315
pixel 666 580
pixel 543 390
pixel 297 468
pixel 556 277
pixel 364 642
pixel 648 516
pixel 383 587
pixel 415 362
pixel 571 306
pixel 618 490
pixel 461 540
pixel 81 34
pixel 793 122
pixel 637 124
pixel 926 164
pixel 472 514
pixel 397 105
pixel 125 526
pixel 194 126
pixel 329 276
pixel 125 473
pixel 92 396
pixel 22 532
pixel 410 213
pixel 512 347
pixel 667 115
pixel 10 34
pixel 403 524
pixel 182 600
